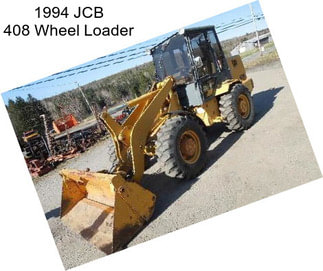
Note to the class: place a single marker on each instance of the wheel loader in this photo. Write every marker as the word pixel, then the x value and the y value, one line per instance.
pixel 196 87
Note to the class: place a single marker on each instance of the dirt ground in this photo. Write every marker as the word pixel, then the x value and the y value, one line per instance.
pixel 270 157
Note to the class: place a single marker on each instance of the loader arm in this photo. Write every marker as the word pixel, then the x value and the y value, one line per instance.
pixel 108 209
pixel 133 133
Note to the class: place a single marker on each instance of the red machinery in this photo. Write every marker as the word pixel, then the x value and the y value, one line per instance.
pixel 64 123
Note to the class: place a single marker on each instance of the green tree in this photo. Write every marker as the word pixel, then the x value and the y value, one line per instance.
pixel 25 115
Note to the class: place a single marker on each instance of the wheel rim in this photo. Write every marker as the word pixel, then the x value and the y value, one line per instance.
pixel 243 106
pixel 190 147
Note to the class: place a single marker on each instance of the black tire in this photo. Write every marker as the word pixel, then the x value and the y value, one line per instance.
pixel 113 160
pixel 112 156
pixel 237 119
pixel 169 139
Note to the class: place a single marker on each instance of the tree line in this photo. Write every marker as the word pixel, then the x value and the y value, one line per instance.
pixel 109 91
pixel 25 115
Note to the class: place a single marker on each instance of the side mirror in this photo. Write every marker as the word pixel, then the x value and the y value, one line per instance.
pixel 198 62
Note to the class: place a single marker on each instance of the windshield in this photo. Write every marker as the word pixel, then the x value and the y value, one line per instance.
pixel 171 58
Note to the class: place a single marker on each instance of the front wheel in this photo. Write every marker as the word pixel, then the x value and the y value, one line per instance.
pixel 181 147
pixel 112 156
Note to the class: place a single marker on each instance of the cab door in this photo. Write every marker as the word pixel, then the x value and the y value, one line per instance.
pixel 209 64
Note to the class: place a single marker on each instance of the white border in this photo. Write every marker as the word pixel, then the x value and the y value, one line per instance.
pixel 283 232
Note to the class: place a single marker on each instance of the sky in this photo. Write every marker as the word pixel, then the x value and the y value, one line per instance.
pixel 230 24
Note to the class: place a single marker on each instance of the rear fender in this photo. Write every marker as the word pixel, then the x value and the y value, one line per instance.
pixel 226 86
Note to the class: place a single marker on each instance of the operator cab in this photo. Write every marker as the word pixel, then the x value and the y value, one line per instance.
pixel 196 61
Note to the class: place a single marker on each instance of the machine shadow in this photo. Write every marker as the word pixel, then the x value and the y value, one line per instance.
pixel 264 101
pixel 168 190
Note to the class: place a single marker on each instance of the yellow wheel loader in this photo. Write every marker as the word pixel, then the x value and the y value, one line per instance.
pixel 197 87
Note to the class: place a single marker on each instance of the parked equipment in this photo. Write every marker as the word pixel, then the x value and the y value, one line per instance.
pixel 64 123
pixel 34 145
pixel 197 88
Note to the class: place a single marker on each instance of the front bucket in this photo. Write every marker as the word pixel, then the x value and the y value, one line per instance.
pixel 105 209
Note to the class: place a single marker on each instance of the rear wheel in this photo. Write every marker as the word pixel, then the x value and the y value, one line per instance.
pixel 237 108
pixel 181 147
pixel 113 160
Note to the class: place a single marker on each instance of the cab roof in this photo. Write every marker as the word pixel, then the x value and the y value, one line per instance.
pixel 184 32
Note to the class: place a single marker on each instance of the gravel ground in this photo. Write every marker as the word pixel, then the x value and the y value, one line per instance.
pixel 270 157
